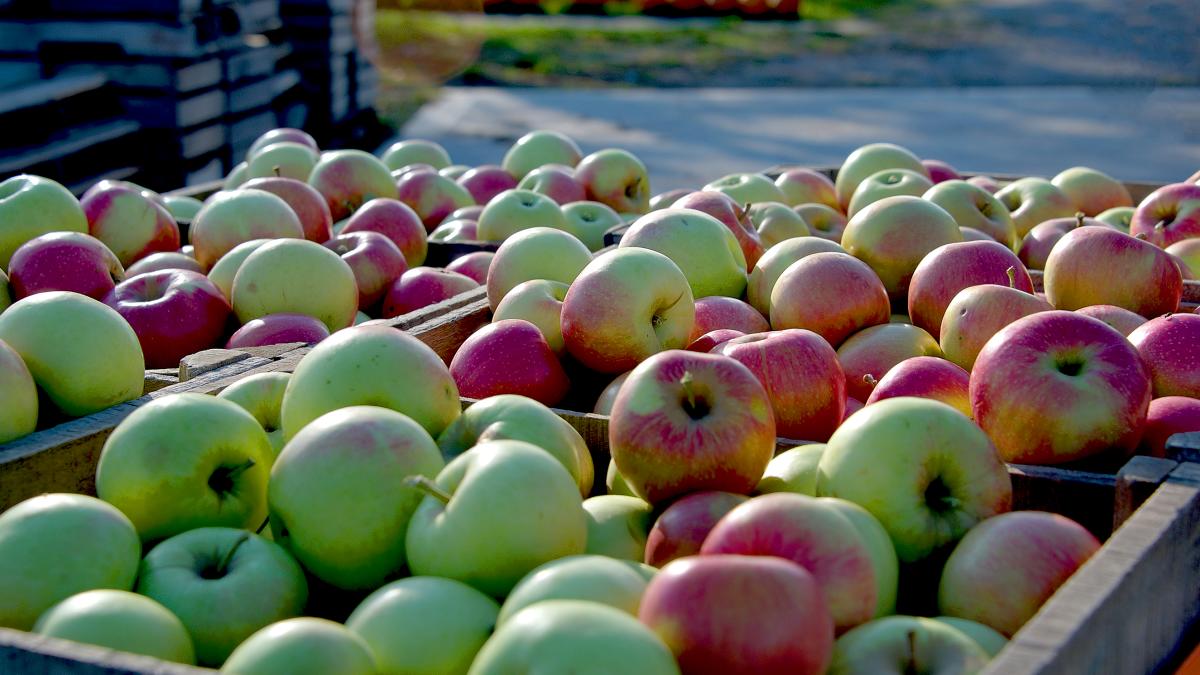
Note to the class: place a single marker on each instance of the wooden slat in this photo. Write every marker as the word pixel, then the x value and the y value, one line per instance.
pixel 413 319
pixel 1136 481
pixel 447 332
pixel 22 652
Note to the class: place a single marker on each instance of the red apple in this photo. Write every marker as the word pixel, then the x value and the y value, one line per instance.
pixel 718 311
pixel 274 329
pixel 350 178
pixel 556 182
pixel 1168 215
pixel 805 186
pixel 1101 266
pixel 173 312
pixel 711 339
pixel 775 262
pixel 375 261
pixel 986 182
pixel 456 230
pixel 1166 417
pixel 732 215
pixel 432 196
pixel 951 268
pixel 832 294
pixel 1038 242
pixel 615 178
pixel 1170 347
pixel 475 265
pixel 926 377
pixel 64 261
pixel 130 224
pixel 471 212
pixel 163 261
pixel 869 354
pixel 823 221
pixel 682 527
pixel 486 181
pixel 979 312
pixel 940 171
pixel 306 202
pixel 282 135
pixel 423 286
pixel 853 405
pixel 1123 320
pixel 395 220
pixel 509 356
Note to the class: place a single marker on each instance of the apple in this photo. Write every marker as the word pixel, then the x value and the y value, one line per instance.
pixel 424 625
pixel 156 262
pixel 979 312
pixel 887 183
pixel 173 312
pixel 64 261
pixel 556 181
pixel 282 135
pixel 261 395
pixel 514 210
pixel 350 178
pixel 705 250
pixel 284 159
pixel 740 614
pixel 277 329
pixel 1168 215
pixel 237 176
pixel 535 253
pixel 423 286
pixel 1123 320
pixel 939 171
pixel 509 356
pixel 986 182
pixel 986 637
pixel 907 644
pixel 870 159
pixel 624 307
pixel 832 294
pixel 358 366
pixel 664 200
pixel 56 545
pixel 1170 347
pixel 777 222
pixel 302 646
pixel 539 302
pixel 130 224
pixel 1079 272
pixel 416 166
pixel 710 340
pixel 182 207
pixel 432 196
pixel 538 148
pixel 869 354
pixel 603 406
pixel 592 578
pixel 456 230
pixel 232 218
pixel 823 221
pixel 1118 216
pixel 1091 191
pixel 1166 417
pixel 296 276
pixel 1032 201
pixel 474 265
pixel 719 312
pixel 416 151
pixel 894 234
pixel 375 261
pixel 922 468
pixel 456 171
pixel 972 234
pixel 395 220
pixel 1059 361
pixel 775 261
pixel 686 421
pixel 1037 244
pixel 748 188
pixel 484 182
pixel 615 178
pixel 119 620
pixel 589 221
pixel 1007 566
pixel 805 186
pixel 20 412
pixel 1187 252
pixel 5 292
pixel 926 377
pixel 46 329
pixel 681 528
pixel 308 204
pixel 793 470
pixel 949 269
pixel 732 215
pixel 972 206
pixel 225 269
pixel 617 526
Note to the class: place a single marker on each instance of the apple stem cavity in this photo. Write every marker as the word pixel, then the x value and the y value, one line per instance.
pixel 219 571
pixel 222 480
pixel 695 408
pixel 429 487
pixel 912 667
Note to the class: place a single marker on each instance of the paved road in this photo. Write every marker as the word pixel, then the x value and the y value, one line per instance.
pixel 690 136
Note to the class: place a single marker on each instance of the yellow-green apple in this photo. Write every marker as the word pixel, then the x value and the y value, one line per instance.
pixel 535 253
pixel 1168 215
pixel 589 221
pixel 1123 320
pixel 519 418
pixel 1032 201
pixel 686 421
pixel 870 159
pixel 948 269
pixel 5 292
pixel 416 151
pixel 423 286
pixel 842 545
pixel 748 188
pixel 972 206
pixel 225 269
pixel 624 307
pixel 337 495
pixel 281 135
pixel 593 578
pixel 509 356
pixel 732 215
pixel 173 312
pixel 805 186
pixel 713 338
pixel 302 646
pixel 616 178
pixel 775 261
pixel 1037 243
pixel 985 636
pixel 474 525
pixel 738 614
pixel 986 182
pixel 705 250
pixel 277 329
pixel 296 276
pixel 617 526
pixel 793 470
pixel 832 294
pixel 514 210
pixel 431 195
pixel 45 330
pixel 979 312
pixel 926 377
pixel 777 222
pixel 284 159
pixel 1170 347
pixel 350 178
pixel 164 261
pixel 64 261
pixel 1166 417
pixel 893 234
pixel 375 261
pixel 395 220
pixel 901 644
pixel 56 545
pixel 556 181
pixel 1059 361
pixel 237 176
pixel 456 171
pixel 823 221
pixel 1118 216
pixel 1091 191
pixel 1187 252
pixel 608 396
pixel 717 312
pixel 358 366
pixel 615 482
pixel 922 468
pixel 664 200
pixel 887 183
pixel 574 636
pixel 425 625
pixel 1007 566
pixel 456 230
pixel 181 207
pixel 801 375
pixel 130 224
pixel 474 265
pixel 681 528
pixel 20 412
pixel 972 234
pixel 239 216
pixel 416 166
pixel 539 302
pixel 261 395
pixel 1079 272
pixel 939 171
pixel 308 205
pixel 869 354
pixel 486 181
pixel 537 148
pixel 119 620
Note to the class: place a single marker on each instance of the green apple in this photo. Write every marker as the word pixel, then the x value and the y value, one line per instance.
pixel 236 177
pixel 894 234
pixel 887 183
pixel 906 644
pixel 594 578
pixel 777 222
pixel 1032 201
pixel 748 188
pixel 1117 216
pixel 56 545
pixel 704 250
pixel 359 366
pixel 18 415
pixel 119 620
pixel 520 418
pixel 618 526
pixel 261 395
pixel 5 292
pixel 494 514
pixel 181 207
pixel 538 148
pixel 573 636
pixel 990 639
pixel 289 160
pixel 870 159
pixel 226 268
pixel 1092 191
pixel 215 472
pixel 538 301
pixel 589 221
pixel 616 483
pixel 337 496
pixel 416 151
pixel 793 470
pixel 775 262
pixel 1188 251
pixel 535 253
pixel 81 352
pixel 223 584
pixel 231 218
pixel 302 646
pixel 972 206
pixel 514 210
pixel 32 206
pixel 425 625
pixel 296 276
pixel 616 178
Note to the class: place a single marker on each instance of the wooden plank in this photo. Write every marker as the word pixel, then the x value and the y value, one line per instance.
pixel 446 333
pixel 159 379
pixel 413 319
pixel 1136 481
pixel 22 652
pixel 1184 447
pixel 195 365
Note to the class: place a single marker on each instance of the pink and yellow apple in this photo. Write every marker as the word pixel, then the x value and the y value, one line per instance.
pixel 832 294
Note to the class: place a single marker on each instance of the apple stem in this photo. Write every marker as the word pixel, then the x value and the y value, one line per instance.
pixel 1079 218
pixel 278 170
pixel 266 521
pixel 912 652
pixel 686 383
pixel 745 211
pixel 1012 276
pixel 870 380
pixel 229 554
pixel 429 487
